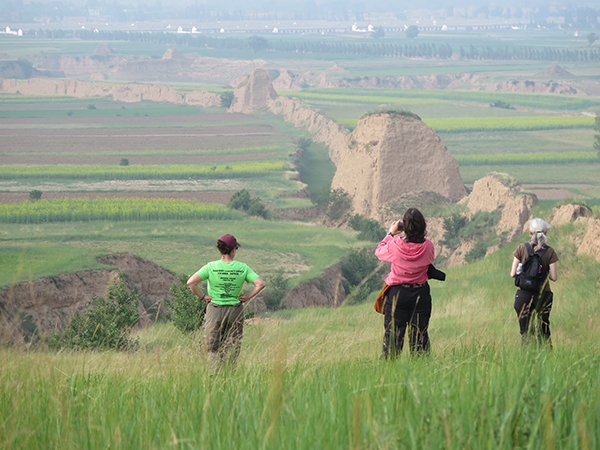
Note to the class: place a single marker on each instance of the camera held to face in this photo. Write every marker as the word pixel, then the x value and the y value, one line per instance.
pixel 400 226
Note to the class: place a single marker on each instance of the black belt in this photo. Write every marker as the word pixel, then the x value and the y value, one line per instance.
pixel 412 286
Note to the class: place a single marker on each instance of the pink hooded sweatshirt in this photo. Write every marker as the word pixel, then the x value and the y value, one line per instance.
pixel 410 260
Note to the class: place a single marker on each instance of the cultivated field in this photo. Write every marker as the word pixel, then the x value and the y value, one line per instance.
pixel 306 378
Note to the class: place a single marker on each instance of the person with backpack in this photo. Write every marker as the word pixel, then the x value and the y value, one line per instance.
pixel 533 267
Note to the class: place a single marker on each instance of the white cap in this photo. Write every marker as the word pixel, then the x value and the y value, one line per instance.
pixel 538 225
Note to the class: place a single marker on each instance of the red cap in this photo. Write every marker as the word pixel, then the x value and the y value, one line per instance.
pixel 230 241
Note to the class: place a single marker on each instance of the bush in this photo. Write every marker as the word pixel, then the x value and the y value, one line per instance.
pixel 35 195
pixel 124 162
pixel 501 104
pixel 303 143
pixel 277 286
pixel 242 201
pixel 452 227
pixel 104 324
pixel 187 310
pixel 412 32
pixel 369 229
pixel 335 202
pixel 226 99
pixel 363 273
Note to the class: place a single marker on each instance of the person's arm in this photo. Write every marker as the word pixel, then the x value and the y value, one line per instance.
pixel 259 285
pixel 192 283
pixel 513 269
pixel 382 252
pixel 552 271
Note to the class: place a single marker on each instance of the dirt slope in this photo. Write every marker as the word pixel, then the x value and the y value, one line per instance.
pixel 48 303
pixel 127 92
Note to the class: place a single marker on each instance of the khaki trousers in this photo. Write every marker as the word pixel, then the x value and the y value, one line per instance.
pixel 223 331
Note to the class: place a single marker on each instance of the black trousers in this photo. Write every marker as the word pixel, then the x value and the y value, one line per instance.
pixel 533 312
pixel 406 307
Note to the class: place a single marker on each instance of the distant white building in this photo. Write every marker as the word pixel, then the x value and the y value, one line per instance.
pixel 18 32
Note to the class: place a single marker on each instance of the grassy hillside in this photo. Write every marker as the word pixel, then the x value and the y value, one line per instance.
pixel 182 246
pixel 313 379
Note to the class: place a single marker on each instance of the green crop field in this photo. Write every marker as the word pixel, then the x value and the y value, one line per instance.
pixel 147 172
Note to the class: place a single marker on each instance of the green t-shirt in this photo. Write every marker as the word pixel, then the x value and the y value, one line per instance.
pixel 225 280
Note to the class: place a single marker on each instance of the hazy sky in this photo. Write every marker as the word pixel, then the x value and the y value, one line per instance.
pixel 54 11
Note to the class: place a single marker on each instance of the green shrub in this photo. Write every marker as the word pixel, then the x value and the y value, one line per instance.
pixel 501 104
pixel 35 195
pixel 363 274
pixel 226 99
pixel 187 310
pixel 303 143
pixel 277 285
pixel 104 324
pixel 452 227
pixel 369 229
pixel 242 201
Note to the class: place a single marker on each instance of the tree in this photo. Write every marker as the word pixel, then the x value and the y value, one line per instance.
pixel 257 44
pixel 104 324
pixel 592 37
pixel 412 32
pixel 339 204
pixel 277 286
pixel 187 310
pixel 35 195
pixel 303 143
pixel 242 201
pixel 226 99
pixel 378 32
pixel 369 229
pixel 597 136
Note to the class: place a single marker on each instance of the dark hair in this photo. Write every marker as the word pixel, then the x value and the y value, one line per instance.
pixel 223 248
pixel 415 227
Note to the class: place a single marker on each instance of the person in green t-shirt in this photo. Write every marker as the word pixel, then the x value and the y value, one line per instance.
pixel 224 319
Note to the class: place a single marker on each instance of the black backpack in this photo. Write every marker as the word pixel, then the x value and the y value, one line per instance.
pixel 533 276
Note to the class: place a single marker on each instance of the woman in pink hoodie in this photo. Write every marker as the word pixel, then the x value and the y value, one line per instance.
pixel 408 300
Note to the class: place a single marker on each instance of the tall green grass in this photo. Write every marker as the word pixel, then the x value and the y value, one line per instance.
pixel 313 378
pixel 472 397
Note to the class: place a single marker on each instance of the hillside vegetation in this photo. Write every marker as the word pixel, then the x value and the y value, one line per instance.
pixel 313 378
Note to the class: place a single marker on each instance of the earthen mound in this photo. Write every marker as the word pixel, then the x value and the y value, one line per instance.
pixel 591 241
pixel 174 54
pixel 326 290
pixel 104 49
pixel 555 71
pixel 40 306
pixel 254 93
pixel 501 191
pixel 390 154
pixel 569 213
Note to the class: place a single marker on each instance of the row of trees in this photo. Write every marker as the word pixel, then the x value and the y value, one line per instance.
pixel 377 48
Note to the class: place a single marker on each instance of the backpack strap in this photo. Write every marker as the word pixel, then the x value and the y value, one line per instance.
pixel 540 252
